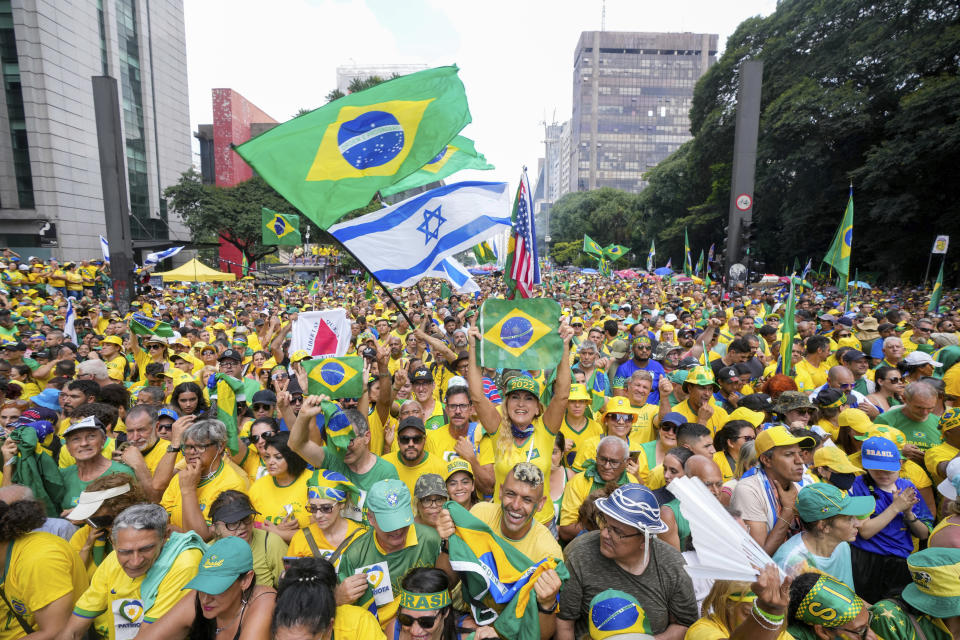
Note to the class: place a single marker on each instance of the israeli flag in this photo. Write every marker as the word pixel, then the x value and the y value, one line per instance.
pixel 451 270
pixel 105 249
pixel 153 259
pixel 411 239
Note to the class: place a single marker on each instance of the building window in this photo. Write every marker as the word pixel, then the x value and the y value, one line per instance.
pixel 15 111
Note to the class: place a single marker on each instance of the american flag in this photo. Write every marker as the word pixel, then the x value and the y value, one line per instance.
pixel 523 268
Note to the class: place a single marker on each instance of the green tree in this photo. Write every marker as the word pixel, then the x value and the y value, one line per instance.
pixel 357 84
pixel 606 215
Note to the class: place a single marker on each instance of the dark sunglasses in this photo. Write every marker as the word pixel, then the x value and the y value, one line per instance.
pixel 262 407
pixel 668 426
pixel 155 346
pixel 266 434
pixel 410 439
pixel 621 417
pixel 425 622
pixel 297 399
pixel 894 380
pixel 164 426
pixel 322 508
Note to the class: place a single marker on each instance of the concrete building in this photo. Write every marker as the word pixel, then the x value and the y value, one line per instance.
pixel 348 73
pixel 631 102
pixel 51 202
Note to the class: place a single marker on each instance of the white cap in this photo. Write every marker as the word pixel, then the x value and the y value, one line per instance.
pixel 90 502
pixel 24 267
pixel 919 357
pixel 947 488
pixel 456 381
pixel 670 317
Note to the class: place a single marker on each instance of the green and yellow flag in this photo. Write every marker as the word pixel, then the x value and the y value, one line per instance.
pixel 227 391
pixel 615 251
pixel 788 331
pixel 937 292
pixel 335 158
pixel 603 266
pixel 484 253
pixel 589 246
pixel 280 228
pixel 368 287
pixel 335 377
pixel 314 287
pixel 687 259
pixel 838 256
pixel 520 334
pixel 699 266
pixel 459 154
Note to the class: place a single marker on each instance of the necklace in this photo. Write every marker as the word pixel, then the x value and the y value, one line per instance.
pixel 243 605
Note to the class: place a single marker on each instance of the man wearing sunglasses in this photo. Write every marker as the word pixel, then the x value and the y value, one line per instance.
pixel 411 459
pixel 642 350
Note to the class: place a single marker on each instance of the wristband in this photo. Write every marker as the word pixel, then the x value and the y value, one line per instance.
pixel 552 609
pixel 769 617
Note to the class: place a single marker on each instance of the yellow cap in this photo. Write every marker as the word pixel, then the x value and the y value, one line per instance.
pixel 742 413
pixel 856 419
pixel 619 404
pixel 834 459
pixel 579 392
pixel 779 437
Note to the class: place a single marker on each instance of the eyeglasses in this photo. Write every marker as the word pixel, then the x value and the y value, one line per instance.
pixel 603 524
pixel 321 508
pixel 196 448
pixel 433 501
pixel 895 380
pixel 235 526
pixel 621 417
pixel 846 385
pixel 425 622
pixel 154 346
pixel 458 407
pixel 262 407
pixel 263 436
pixel 862 631
pixel 410 439
pixel 923 329
pixel 611 463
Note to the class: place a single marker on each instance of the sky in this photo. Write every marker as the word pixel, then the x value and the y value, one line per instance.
pixel 515 56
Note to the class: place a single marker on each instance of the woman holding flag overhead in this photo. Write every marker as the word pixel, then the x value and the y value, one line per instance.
pixel 525 429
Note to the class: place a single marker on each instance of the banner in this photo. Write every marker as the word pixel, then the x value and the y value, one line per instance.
pixel 321 333
pixel 940 244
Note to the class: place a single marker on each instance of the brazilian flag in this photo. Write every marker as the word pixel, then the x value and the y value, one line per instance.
pixel 615 251
pixel 142 325
pixel 335 377
pixel 280 228
pixel 520 334
pixel 484 253
pixel 590 246
pixel 225 392
pixel 459 154
pixel 314 287
pixel 335 158
pixel 368 287
pixel 937 294
pixel 603 266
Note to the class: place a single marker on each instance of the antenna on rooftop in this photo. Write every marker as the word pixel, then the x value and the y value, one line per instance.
pixel 603 15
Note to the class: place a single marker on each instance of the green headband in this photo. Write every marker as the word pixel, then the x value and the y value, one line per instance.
pixel 829 603
pixel 424 601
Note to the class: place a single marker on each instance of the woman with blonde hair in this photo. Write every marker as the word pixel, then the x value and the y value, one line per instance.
pixel 744 611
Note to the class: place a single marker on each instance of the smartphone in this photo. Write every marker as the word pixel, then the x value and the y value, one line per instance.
pixel 635 456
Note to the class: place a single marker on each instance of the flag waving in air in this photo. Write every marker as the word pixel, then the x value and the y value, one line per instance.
pixel 937 293
pixel 520 334
pixel 335 158
pixel 615 251
pixel 687 259
pixel 335 377
pixel 651 256
pixel 523 267
pixel 484 253
pixel 838 256
pixel 590 246
pixel 280 228
pixel 459 154
pixel 699 263
pixel 145 326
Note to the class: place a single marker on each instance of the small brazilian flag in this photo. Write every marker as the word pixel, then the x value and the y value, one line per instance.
pixel 615 251
pixel 484 253
pixel 459 154
pixel 146 326
pixel 520 334
pixel 280 228
pixel 335 158
pixel 335 377
pixel 590 246
pixel 314 287
pixel 937 293
pixel 368 288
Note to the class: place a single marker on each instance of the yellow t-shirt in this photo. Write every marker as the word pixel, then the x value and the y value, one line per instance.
pixel 272 500
pixel 41 568
pixel 377 427
pixel 408 475
pixel 951 379
pixel 226 477
pixel 643 428
pixel 153 457
pixel 112 588
pixel 537 449
pixel 710 629
pixel 716 421
pixel 115 367
pixel 808 376
pixel 933 456
pixel 300 549
pixel 591 429
pixel 355 622
pixel 576 491
pixel 442 444
pixel 538 544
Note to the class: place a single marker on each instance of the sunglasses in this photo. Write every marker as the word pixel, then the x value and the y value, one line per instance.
pixel 668 426
pixel 263 436
pixel 410 439
pixel 895 380
pixel 154 346
pixel 425 622
pixel 164 426
pixel 262 407
pixel 320 508
pixel 621 417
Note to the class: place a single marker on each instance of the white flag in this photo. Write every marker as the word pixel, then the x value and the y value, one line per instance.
pixel 69 330
pixel 105 249
pixel 940 244
pixel 321 333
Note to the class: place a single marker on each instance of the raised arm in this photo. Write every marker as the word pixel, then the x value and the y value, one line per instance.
pixel 299 440
pixel 385 399
pixel 553 416
pixel 486 410
pixel 437 346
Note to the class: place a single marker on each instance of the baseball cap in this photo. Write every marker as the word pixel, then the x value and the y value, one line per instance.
pixel 411 422
pixel 821 500
pixel 117 340
pixel 455 465
pixel 264 396
pixel 742 413
pixel 951 485
pixel 853 355
pixel 675 418
pixel 880 454
pixel 230 354
pixel 728 373
pixel 616 614
pixel 521 383
pixel 618 349
pixel 834 459
pixel 90 422
pixel 233 511
pixel 421 374
pixel 297 355
pixel 166 412
pixel 389 502
pixel 225 560
pixel 916 358
pixel 779 436
pixel 89 502
pixel 829 603
pixel 430 484
pixel 856 419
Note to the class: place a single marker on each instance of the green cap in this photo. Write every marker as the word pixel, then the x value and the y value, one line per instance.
pixel 822 500
pixel 829 603
pixel 936 582
pixel 522 383
pixel 389 502
pixel 225 561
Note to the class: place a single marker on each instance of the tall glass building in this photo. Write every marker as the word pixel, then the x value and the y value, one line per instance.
pixel 631 103
pixel 51 201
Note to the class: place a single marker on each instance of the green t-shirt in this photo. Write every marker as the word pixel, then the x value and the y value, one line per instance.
pixel 381 470
pixel 74 486
pixel 363 553
pixel 922 434
pixel 891 622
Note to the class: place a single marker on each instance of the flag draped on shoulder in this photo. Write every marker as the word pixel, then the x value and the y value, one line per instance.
pixel 520 334
pixel 280 228
pixel 403 243
pixel 497 577
pixel 335 377
pixel 459 154
pixel 335 158
pixel 838 256
pixel 146 326
pixel 225 392
pixel 590 246
pixel 523 267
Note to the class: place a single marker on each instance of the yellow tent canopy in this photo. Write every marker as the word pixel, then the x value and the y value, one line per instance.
pixel 195 271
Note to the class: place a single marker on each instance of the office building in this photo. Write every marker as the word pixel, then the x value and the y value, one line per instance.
pixel 51 200
pixel 632 94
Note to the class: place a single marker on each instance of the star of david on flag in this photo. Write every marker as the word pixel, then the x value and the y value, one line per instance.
pixel 428 215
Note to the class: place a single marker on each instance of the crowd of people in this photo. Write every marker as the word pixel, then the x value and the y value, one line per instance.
pixel 139 501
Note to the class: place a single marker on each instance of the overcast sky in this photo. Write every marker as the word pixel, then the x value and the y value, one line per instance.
pixel 515 56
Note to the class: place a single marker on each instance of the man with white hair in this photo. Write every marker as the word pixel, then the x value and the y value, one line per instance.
pixel 95 370
pixel 612 456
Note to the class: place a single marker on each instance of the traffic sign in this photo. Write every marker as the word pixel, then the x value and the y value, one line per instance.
pixel 744 202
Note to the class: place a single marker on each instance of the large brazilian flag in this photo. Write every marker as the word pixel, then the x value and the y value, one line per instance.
pixel 520 334
pixel 335 158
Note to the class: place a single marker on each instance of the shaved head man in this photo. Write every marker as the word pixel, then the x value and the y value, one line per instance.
pixel 707 470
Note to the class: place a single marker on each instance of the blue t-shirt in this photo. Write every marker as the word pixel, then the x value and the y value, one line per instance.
pixel 894 539
pixel 626 370
pixel 794 558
